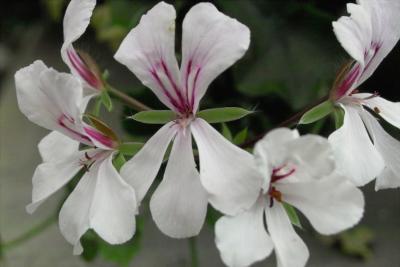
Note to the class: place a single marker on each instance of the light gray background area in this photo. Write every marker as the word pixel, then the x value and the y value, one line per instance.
pixel 19 157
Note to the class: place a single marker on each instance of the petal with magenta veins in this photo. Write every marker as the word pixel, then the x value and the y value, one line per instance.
pixel 227 172
pixel 179 204
pixel 149 52
pixel 211 43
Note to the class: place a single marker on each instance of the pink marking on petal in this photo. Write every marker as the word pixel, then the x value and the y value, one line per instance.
pixel 85 73
pixel 348 82
pixel 172 82
pixel 276 177
pixel 171 99
pixel 101 138
pixel 196 77
pixel 63 120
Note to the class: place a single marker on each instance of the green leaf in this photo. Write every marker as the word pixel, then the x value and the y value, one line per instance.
pixel 154 116
pixel 240 137
pixel 212 216
pixel 357 242
pixel 291 212
pixel 90 246
pixel 317 113
pixel 130 148
pixel 119 161
pixel 97 107
pixel 226 132
pixel 106 100
pixel 216 115
pixel 338 115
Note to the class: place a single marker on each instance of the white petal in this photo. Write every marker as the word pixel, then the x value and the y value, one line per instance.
pixel 179 205
pixel 56 146
pixel 32 102
pixel 332 204
pixel 112 213
pixel 49 177
pixel 243 240
pixel 77 19
pixel 389 148
pixel 370 33
pixel 227 172
pixel 390 111
pixel 355 154
pixel 149 52
pixel 354 33
pixel 47 97
pixel 289 248
pixel 312 157
pixel 272 148
pixel 271 151
pixel 141 170
pixel 211 43
pixel 74 217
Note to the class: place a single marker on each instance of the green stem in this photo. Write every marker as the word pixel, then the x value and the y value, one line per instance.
pixel 130 101
pixel 30 233
pixel 194 257
pixel 286 123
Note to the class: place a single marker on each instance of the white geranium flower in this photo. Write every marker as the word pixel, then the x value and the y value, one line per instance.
pixel 76 20
pixel 299 171
pixel 368 35
pixel 211 42
pixel 102 200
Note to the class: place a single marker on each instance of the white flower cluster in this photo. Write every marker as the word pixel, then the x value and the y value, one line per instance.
pixel 317 176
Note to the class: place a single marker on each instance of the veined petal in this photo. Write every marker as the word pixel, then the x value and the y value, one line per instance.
pixel 114 206
pixel 141 170
pixel 50 176
pixel 289 248
pixel 56 146
pixel 179 205
pixel 389 148
pixel 227 172
pixel 149 52
pixel 211 43
pixel 271 151
pixel 388 110
pixel 243 240
pixel 332 204
pixel 74 217
pixel 76 20
pixel 356 156
pixel 370 33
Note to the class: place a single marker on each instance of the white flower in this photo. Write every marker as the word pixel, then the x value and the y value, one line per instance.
pixel 102 200
pixel 368 35
pixel 211 42
pixel 299 171
pixel 76 20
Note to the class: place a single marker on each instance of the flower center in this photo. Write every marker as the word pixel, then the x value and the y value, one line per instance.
pixel 90 158
pixel 278 174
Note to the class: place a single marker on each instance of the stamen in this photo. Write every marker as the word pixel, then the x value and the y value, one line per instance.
pixel 274 194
